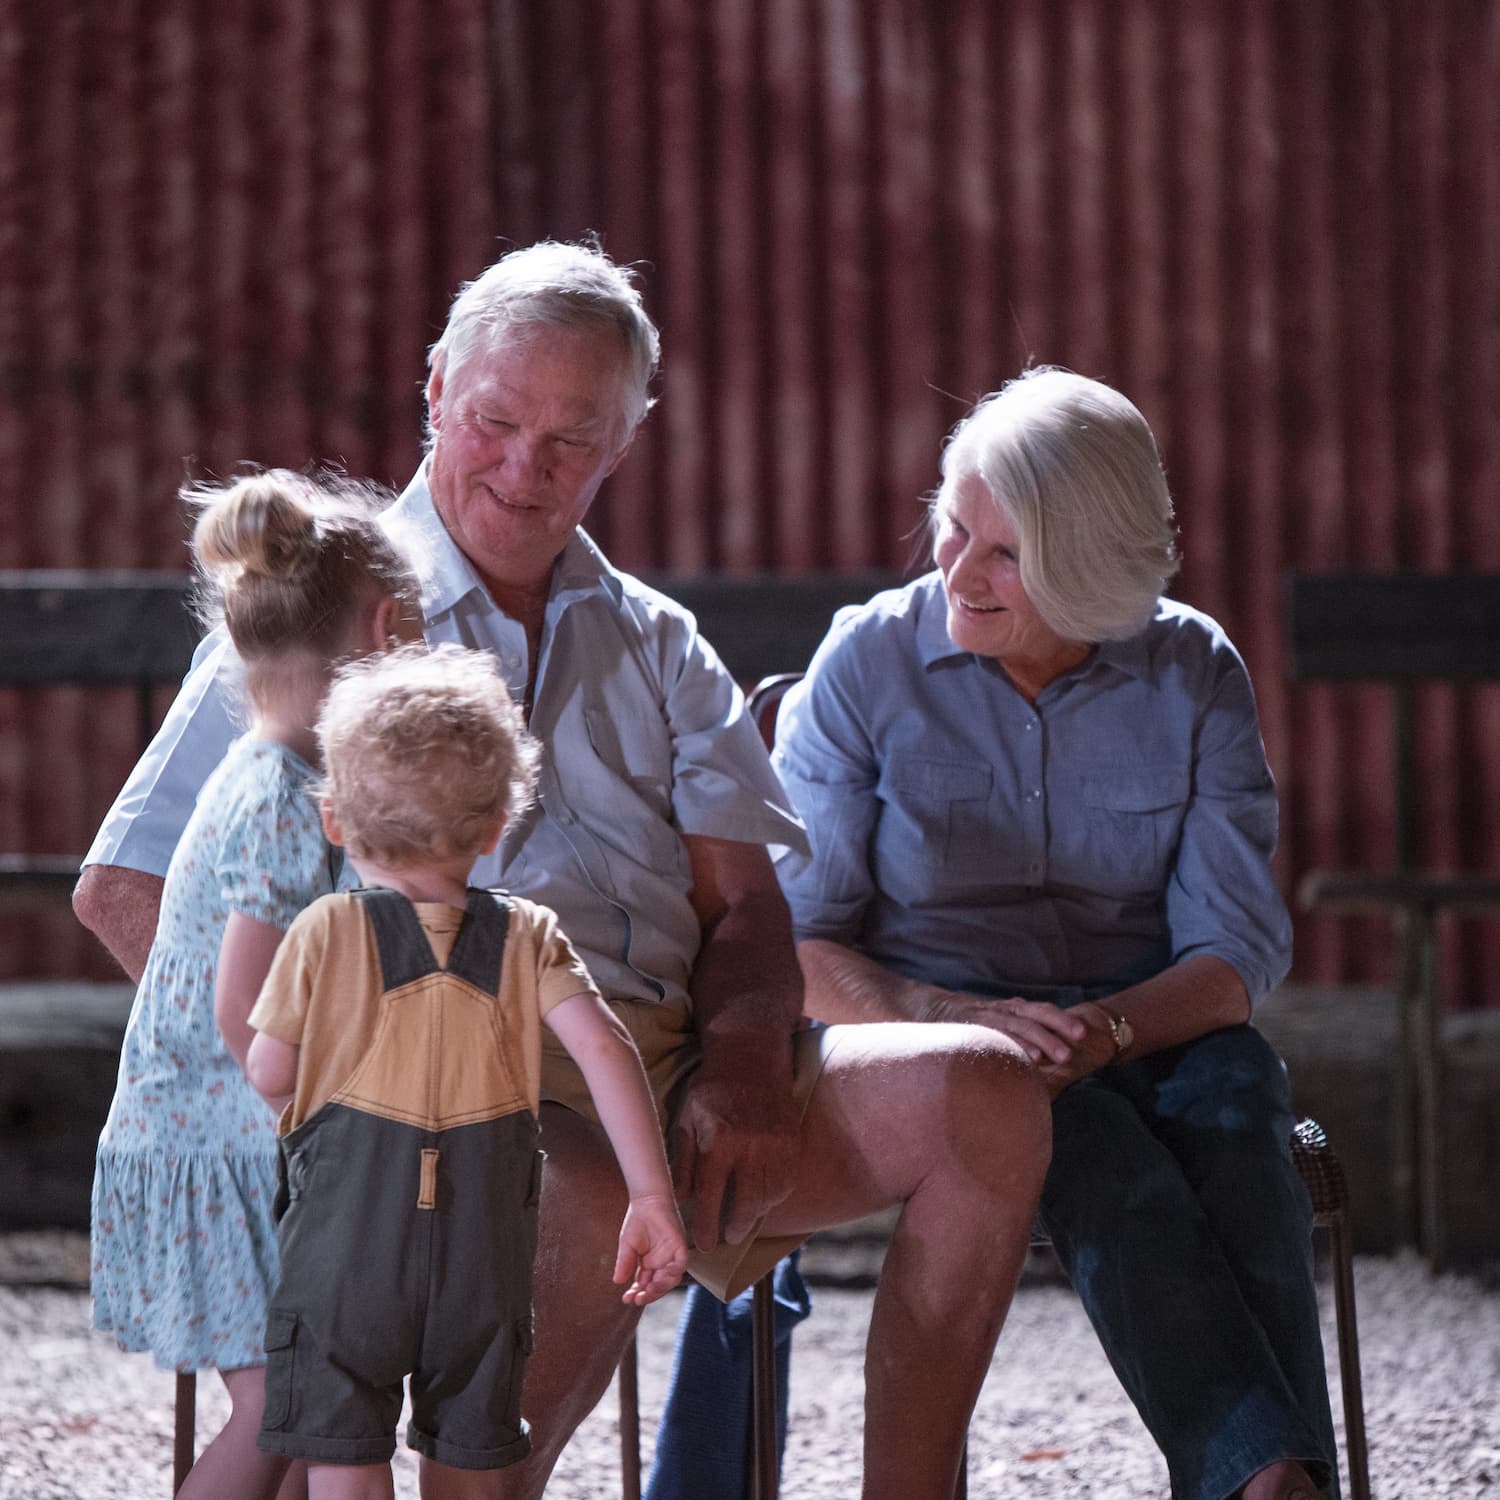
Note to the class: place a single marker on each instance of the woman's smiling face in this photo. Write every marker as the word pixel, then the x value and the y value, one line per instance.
pixel 989 612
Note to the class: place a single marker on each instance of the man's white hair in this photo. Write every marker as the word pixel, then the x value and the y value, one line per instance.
pixel 555 285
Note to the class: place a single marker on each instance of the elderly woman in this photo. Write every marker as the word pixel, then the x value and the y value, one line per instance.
pixel 1038 801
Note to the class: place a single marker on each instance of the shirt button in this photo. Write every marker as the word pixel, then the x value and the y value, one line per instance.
pixel 1033 869
pixel 1031 723
pixel 1032 795
pixel 565 817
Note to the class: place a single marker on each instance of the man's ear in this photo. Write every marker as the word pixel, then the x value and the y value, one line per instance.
pixel 625 446
pixel 331 830
pixel 435 394
pixel 492 839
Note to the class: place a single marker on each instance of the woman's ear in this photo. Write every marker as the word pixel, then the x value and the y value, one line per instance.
pixel 492 839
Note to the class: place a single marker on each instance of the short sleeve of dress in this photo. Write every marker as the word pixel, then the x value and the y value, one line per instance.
pixel 281 1009
pixel 274 859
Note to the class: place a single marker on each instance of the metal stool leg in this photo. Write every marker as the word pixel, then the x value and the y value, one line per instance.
pixel 630 1423
pixel 764 1471
pixel 184 1420
pixel 1356 1450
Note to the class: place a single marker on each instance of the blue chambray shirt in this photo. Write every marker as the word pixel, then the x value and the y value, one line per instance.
pixel 963 837
pixel 645 739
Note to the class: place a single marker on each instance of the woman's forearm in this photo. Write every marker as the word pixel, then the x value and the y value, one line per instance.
pixel 1182 1003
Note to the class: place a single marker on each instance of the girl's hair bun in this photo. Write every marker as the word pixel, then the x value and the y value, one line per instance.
pixel 262 525
pixel 288 559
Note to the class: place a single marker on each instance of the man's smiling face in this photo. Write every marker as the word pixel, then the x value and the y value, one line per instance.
pixel 525 431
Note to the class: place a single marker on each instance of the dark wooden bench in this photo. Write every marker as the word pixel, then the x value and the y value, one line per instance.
pixel 87 629
pixel 760 622
pixel 1403 630
pixel 59 1039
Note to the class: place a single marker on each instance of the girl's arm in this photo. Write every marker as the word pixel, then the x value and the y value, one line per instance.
pixel 653 1247
pixel 245 955
pixel 271 1067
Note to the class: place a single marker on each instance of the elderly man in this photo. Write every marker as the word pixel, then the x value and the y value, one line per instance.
pixel 656 804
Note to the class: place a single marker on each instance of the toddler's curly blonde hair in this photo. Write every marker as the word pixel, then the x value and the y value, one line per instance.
pixel 423 751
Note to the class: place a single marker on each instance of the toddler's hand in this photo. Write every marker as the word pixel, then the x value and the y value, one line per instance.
pixel 653 1250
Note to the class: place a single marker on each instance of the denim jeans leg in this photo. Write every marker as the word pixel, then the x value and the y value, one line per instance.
pixel 1257 1207
pixel 1161 1291
pixel 702 1441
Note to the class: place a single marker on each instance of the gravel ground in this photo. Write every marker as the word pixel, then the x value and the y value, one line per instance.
pixel 80 1421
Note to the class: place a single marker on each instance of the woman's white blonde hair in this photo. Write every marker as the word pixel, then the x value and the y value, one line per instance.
pixel 1072 465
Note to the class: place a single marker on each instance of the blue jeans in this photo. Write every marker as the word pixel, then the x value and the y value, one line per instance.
pixel 702 1444
pixel 1178 1215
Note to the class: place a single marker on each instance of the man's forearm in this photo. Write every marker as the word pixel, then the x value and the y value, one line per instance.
pixel 120 907
pixel 746 985
pixel 845 987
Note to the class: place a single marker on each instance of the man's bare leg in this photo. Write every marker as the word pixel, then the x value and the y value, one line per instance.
pixel 950 1122
pixel 581 1324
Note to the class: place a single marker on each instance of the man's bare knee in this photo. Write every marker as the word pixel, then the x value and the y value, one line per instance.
pixel 991 1108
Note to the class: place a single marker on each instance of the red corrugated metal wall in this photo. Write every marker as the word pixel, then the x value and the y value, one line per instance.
pixel 229 231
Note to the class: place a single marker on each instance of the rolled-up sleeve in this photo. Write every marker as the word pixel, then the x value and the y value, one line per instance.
pixel 141 829
pixel 1221 897
pixel 825 761
pixel 722 782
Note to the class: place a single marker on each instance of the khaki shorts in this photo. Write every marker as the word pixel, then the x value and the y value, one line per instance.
pixel 669 1048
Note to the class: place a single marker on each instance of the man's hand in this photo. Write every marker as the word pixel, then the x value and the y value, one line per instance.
pixel 735 1143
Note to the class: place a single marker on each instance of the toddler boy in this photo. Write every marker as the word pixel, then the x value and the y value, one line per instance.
pixel 399 1031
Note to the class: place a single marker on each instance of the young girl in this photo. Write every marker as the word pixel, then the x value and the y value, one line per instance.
pixel 184 1247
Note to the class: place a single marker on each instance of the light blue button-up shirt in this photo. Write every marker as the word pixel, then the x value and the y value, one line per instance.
pixel 965 837
pixel 645 739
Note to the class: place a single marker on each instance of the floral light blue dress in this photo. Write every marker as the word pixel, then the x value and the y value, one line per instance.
pixel 184 1247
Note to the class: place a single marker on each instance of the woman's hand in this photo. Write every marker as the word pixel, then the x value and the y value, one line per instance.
pixel 1094 1049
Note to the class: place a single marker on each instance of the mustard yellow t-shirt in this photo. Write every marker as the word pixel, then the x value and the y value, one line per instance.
pixel 323 994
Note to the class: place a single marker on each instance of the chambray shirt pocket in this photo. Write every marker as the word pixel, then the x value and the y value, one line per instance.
pixel 933 812
pixel 630 770
pixel 1132 820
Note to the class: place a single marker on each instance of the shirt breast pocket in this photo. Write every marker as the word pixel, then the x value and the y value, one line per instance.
pixel 1131 824
pixel 934 812
pixel 630 776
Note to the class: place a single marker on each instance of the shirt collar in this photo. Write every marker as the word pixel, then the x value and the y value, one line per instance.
pixel 934 644
pixel 1128 656
pixel 447 576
